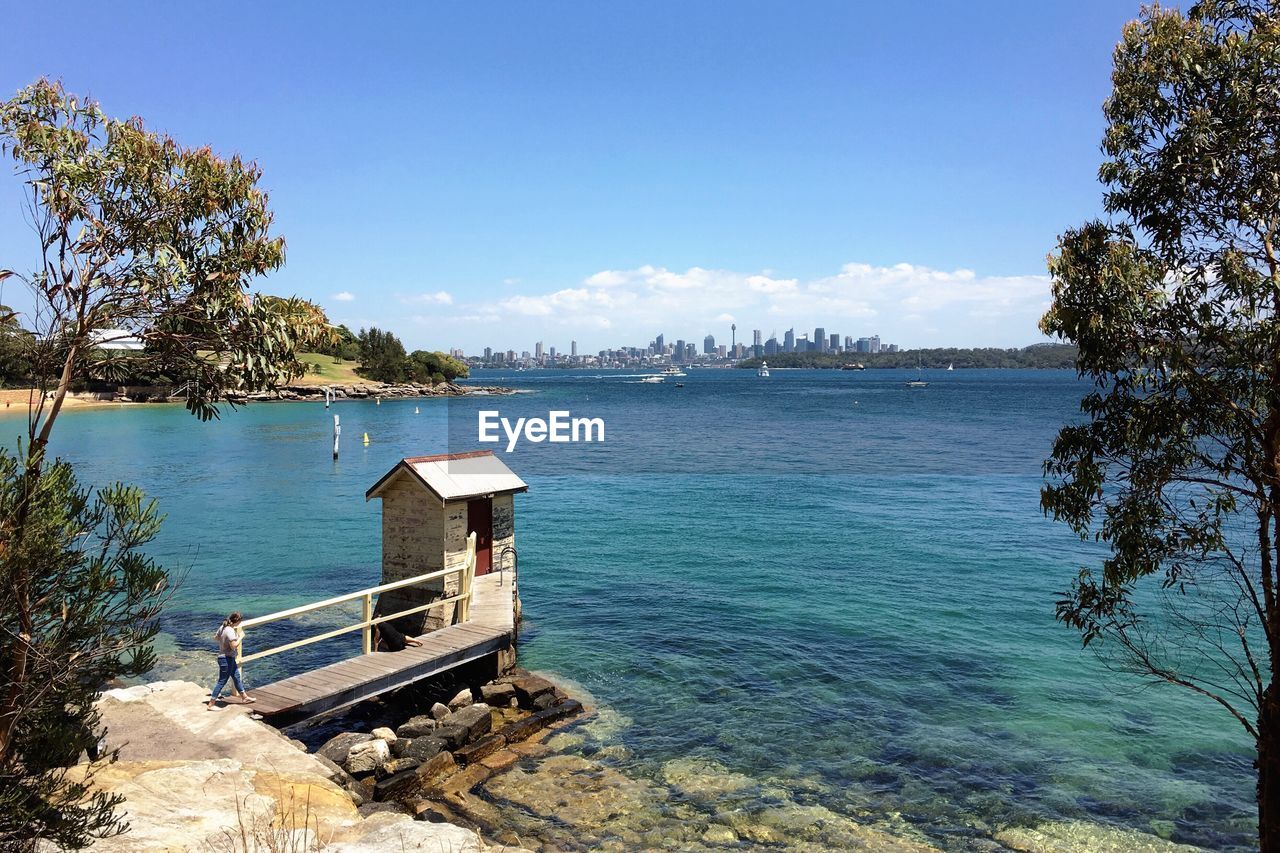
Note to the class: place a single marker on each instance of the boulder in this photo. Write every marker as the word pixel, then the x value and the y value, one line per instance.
pixel 383 733
pixel 440 710
pixel 410 783
pixel 545 701
pixel 416 727
pixel 473 752
pixel 377 807
pixel 365 757
pixel 394 766
pixel 530 687
pixel 422 748
pixel 474 718
pixel 336 749
pixel 453 736
pixel 497 695
pixel 399 745
pixel 462 700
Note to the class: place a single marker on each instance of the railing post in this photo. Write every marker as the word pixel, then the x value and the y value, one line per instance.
pixel 367 632
pixel 468 576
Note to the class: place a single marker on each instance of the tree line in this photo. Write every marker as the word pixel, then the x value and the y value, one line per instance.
pixel 383 358
pixel 1040 356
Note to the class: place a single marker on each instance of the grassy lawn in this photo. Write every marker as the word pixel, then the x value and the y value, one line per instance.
pixel 341 373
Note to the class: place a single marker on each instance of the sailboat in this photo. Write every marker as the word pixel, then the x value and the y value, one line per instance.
pixel 951 366
pixel 917 382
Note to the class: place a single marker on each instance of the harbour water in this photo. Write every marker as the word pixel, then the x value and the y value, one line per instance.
pixel 834 590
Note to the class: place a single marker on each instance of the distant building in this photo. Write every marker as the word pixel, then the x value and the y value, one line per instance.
pixel 537 350
pixel 117 339
pixel 864 345
pixel 573 349
pixel 488 353
pixel 771 346
pixel 820 339
pixel 709 345
pixel 677 354
pixel 789 341
pixel 722 351
pixel 848 343
pixel 875 343
pixel 835 343
pixel 659 345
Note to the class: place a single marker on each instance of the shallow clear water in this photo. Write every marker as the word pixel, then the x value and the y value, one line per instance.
pixel 818 576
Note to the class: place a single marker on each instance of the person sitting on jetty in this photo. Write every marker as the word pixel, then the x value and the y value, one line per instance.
pixel 387 637
pixel 229 638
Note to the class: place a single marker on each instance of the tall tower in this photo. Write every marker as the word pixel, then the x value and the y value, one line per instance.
pixel 734 339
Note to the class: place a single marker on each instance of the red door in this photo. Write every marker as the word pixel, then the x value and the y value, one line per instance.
pixel 480 522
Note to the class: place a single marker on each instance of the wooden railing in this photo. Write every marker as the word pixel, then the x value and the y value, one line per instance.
pixel 466 575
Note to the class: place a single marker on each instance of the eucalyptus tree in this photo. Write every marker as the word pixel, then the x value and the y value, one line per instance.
pixel 137 236
pixel 1174 303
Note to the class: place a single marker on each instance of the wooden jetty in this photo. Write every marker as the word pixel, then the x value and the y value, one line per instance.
pixel 485 626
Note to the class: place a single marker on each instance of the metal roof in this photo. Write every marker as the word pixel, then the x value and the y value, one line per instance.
pixel 455 476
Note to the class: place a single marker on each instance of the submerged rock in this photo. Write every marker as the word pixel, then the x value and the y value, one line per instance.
pixel 1078 836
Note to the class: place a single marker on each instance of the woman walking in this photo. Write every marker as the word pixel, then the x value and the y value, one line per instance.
pixel 229 637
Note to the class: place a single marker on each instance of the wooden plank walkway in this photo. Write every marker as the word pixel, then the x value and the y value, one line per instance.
pixel 490 629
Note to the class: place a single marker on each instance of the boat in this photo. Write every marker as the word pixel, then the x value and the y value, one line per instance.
pixel 673 371
pixel 763 370
pixel 951 367
pixel 917 382
pixel 855 366
pixel 653 379
pixel 679 384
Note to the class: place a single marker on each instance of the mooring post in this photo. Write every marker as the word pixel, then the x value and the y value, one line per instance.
pixel 328 396
pixel 337 431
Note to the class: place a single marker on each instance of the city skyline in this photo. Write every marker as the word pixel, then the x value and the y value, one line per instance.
pixel 684 351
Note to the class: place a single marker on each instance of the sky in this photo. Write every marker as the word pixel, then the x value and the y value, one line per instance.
pixel 471 175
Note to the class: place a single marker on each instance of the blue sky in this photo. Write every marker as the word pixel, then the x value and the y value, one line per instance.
pixel 492 175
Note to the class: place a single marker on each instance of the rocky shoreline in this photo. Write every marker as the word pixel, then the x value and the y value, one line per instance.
pixel 305 393
pixel 427 765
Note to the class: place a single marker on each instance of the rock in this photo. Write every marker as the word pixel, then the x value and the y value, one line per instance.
pixel 336 749
pixel 473 752
pixel 385 831
pixel 422 748
pixel 399 745
pixel 497 695
pixel 298 744
pixel 453 736
pixel 383 733
pixel 530 687
pixel 411 783
pixel 365 757
pixel 462 700
pixel 474 718
pixel 417 727
pixel 376 807
pixel 1079 836
pixel 440 710
pixel 394 766
pixel 545 701
pixel 500 760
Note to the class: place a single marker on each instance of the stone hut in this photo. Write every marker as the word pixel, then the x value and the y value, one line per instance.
pixel 430 505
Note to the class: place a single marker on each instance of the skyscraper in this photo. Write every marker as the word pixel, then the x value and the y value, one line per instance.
pixel 835 342
pixel 789 341
pixel 537 350
pixel 757 343
pixel 709 345
pixel 573 348
pixel 659 345
pixel 678 353
pixel 820 339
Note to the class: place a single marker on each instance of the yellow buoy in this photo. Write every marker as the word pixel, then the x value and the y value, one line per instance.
pixel 366 439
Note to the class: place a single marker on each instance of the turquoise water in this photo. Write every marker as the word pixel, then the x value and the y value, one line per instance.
pixel 821 575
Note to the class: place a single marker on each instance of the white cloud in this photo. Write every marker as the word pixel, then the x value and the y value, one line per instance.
pixel 440 297
pixel 904 303
pixel 344 296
